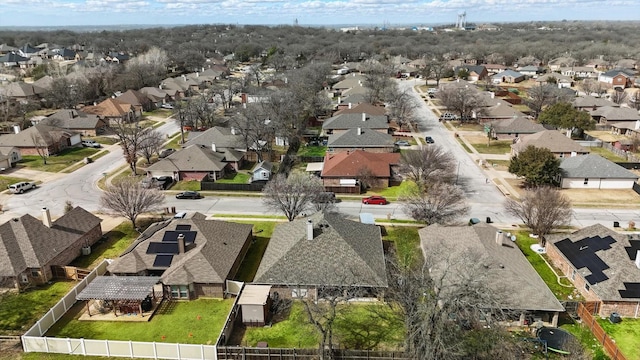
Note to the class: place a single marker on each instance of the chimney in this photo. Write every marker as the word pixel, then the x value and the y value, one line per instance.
pixel 46 217
pixel 213 147
pixel 16 129
pixel 339 100
pixel 364 117
pixel 197 74
pixel 233 131
pixel 244 105
pixel 181 244
pixel 499 237
pixel 638 259
pixel 349 105
pixel 309 229
pixel 359 131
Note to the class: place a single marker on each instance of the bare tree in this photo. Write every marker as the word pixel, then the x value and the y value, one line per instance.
pixel 366 177
pixel 378 81
pixel 41 146
pixel 544 95
pixel 466 101
pixel 147 69
pixel 150 144
pixel 619 96
pixel 436 69
pixel 542 209
pixel 591 87
pixel 441 203
pixel 428 165
pixel 128 198
pixel 291 195
pixel 402 105
pixel 130 134
pixel 256 128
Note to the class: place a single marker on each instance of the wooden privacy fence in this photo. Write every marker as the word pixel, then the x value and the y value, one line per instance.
pixel 598 332
pixel 250 353
pixel 205 185
pixel 69 272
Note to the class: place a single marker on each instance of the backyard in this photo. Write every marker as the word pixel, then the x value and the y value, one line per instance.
pixel 187 322
pixel 625 334
pixel 262 233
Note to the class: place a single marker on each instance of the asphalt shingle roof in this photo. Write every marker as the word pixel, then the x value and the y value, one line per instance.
pixel 192 158
pixel 508 272
pixel 348 164
pixel 366 138
pixel 222 137
pixel 354 121
pixel 553 140
pixel 593 166
pixel 25 138
pixel 72 119
pixel 616 113
pixel 342 252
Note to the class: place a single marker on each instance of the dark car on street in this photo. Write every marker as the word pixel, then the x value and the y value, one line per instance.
pixel 429 140
pixel 375 200
pixel 189 195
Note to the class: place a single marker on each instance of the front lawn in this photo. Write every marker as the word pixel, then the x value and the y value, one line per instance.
pixel 238 178
pixel 312 151
pixel 626 335
pixel 192 185
pixel 187 322
pixel 496 147
pixel 57 162
pixel 5 181
pixel 19 311
pixel 561 292
pixel 392 192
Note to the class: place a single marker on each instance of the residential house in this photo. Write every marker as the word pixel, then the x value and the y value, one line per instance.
pixel 559 144
pixel 342 123
pixel 29 247
pixel 508 76
pixel 22 91
pixel 113 111
pixel 528 61
pixel 561 62
pixel 621 120
pixel 361 108
pixel 560 80
pixel 41 139
pixel 631 64
pixel 195 162
pixel 618 78
pixel 582 72
pixel 13 59
pixel 504 269
pixel 602 264
pixel 323 251
pixel 351 100
pixel 5 49
pixel 589 103
pixel 77 121
pixel 137 99
pixel 594 172
pixel 361 139
pixel 343 169
pixel 45 83
pixel 194 257
pixel 598 63
pixel 493 69
pixel 476 72
pixel 262 171
pixel 219 138
pixel 10 156
pixel 531 70
pixel 156 96
pixel 497 109
pixel 514 127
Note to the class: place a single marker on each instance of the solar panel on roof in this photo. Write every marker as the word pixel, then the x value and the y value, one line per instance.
pixel 633 249
pixel 163 248
pixel 163 261
pixel 183 227
pixel 189 236
pixel 582 254
pixel 632 290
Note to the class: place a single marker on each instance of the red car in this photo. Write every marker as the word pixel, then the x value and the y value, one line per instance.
pixel 374 200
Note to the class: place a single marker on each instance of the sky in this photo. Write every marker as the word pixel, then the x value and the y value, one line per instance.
pixel 307 12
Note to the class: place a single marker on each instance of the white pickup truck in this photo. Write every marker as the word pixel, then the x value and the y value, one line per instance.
pixel 19 188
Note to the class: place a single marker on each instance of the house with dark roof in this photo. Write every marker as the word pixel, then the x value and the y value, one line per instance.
pixel 77 121
pixel 41 138
pixel 618 78
pixel 366 108
pixel 344 122
pixel 30 247
pixel 476 72
pixel 23 91
pixel 194 257
pixel 156 96
pixel 621 120
pixel 505 270
pixel 219 138
pixel 559 144
pixel 594 172
pixel 590 103
pixel 361 139
pixel 604 265
pixel 13 59
pixel 343 169
pixel 137 99
pixel 325 250
pixel 195 162
pixel 531 70
pixel 514 127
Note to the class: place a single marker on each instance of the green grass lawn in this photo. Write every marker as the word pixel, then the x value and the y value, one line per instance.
pixel 464 146
pixel 117 240
pixel 187 322
pixel 58 162
pixel 192 185
pixel 626 334
pixel 524 242
pixel 407 243
pixel 262 232
pixel 5 181
pixel 45 356
pixel 357 326
pixel 466 126
pixel 312 151
pixel 496 147
pixel 607 154
pixel 238 178
pixel 392 192
pixel 584 335
pixel 19 311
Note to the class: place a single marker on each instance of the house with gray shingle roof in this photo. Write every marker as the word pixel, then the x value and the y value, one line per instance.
pixel 559 144
pixel 618 119
pixel 29 247
pixel 594 172
pixel 361 139
pixel 344 122
pixel 602 264
pixel 71 119
pixel 485 250
pixel 323 250
pixel 508 76
pixel 590 103
pixel 514 127
pixel 195 162
pixel 219 139
pixel 193 256
pixel 41 138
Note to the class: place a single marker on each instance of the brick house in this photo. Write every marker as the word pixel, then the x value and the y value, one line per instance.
pixel 559 144
pixel 41 138
pixel 30 247
pixel 345 168
pixel 193 257
pixel 603 265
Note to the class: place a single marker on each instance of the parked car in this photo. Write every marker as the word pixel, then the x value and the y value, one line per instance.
pixel 166 152
pixel 19 188
pixel 402 143
pixel 189 195
pixel 91 144
pixel 429 140
pixel 166 106
pixel 375 200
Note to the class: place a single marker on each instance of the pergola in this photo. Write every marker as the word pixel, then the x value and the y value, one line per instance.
pixel 121 290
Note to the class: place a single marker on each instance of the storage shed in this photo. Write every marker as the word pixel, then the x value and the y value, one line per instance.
pixel 255 303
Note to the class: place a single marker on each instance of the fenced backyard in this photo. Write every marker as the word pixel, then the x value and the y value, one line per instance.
pixel 598 332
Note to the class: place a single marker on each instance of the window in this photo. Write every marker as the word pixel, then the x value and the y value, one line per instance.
pixel 586 181
pixel 586 286
pixel 35 273
pixel 298 293
pixel 573 274
pixel 179 291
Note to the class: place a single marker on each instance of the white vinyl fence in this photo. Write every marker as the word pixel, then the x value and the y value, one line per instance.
pixel 33 341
